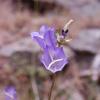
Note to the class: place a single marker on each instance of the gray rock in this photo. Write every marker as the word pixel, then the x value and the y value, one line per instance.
pixel 68 52
pixel 87 40
pixel 87 6
pixel 96 67
pixel 24 44
pixel 76 96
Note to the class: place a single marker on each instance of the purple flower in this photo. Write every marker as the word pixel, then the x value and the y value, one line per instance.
pixel 10 93
pixel 45 37
pixel 53 57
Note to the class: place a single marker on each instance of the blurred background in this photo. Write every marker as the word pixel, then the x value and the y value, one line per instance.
pixel 19 54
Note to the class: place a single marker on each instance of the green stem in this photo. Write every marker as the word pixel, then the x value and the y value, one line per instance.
pixel 52 86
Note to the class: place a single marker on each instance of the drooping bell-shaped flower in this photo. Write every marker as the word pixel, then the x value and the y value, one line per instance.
pixel 45 37
pixel 54 59
pixel 10 93
pixel 53 56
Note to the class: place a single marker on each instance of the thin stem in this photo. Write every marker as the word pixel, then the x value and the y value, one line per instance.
pixel 35 89
pixel 67 24
pixel 52 86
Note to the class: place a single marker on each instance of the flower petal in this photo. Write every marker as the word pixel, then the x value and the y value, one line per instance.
pixel 36 34
pixel 41 42
pixel 56 53
pixel 10 93
pixel 54 59
pixel 39 39
pixel 57 65
pixel 59 60
pixel 45 59
pixel 43 30
pixel 50 38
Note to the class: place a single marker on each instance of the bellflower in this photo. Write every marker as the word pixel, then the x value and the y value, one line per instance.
pixel 53 56
pixel 45 37
pixel 54 59
pixel 10 93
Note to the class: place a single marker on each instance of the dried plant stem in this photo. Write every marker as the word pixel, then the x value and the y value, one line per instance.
pixel 67 24
pixel 35 89
pixel 52 86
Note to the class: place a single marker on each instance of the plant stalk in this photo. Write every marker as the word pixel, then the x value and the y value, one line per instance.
pixel 52 87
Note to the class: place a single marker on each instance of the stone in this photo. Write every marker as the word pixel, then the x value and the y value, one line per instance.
pixel 96 67
pixel 76 96
pixel 24 44
pixel 87 40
